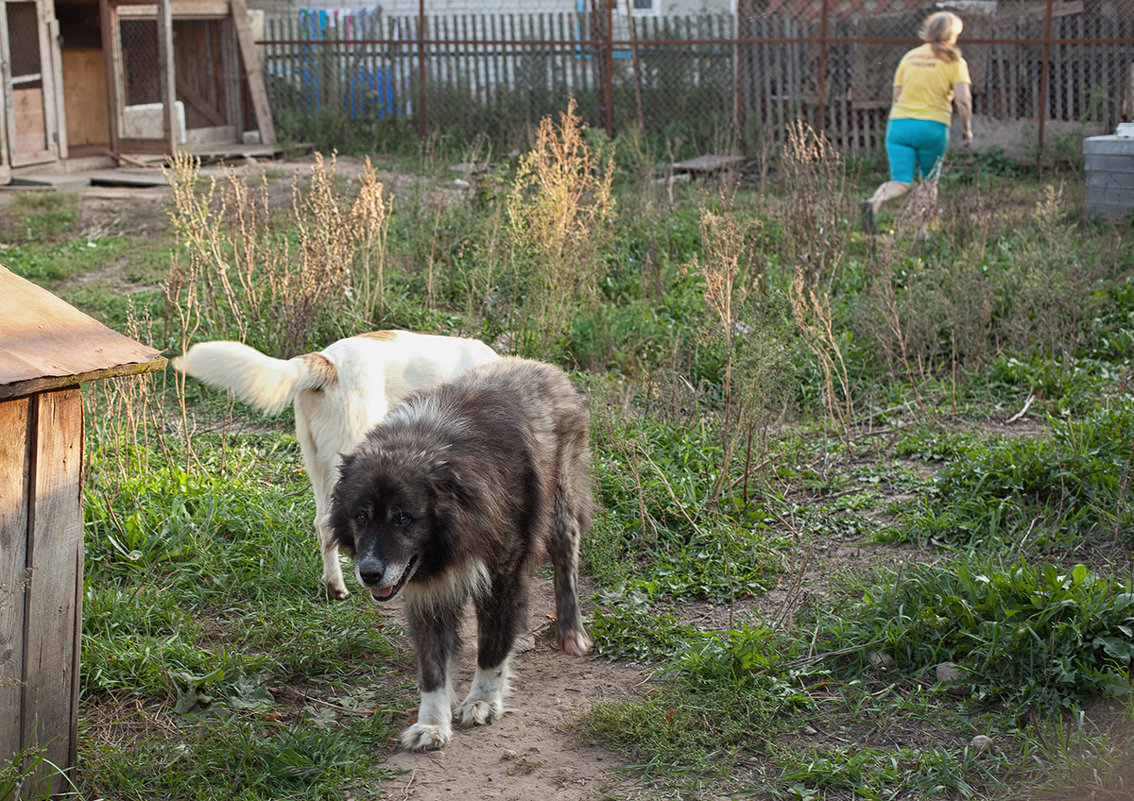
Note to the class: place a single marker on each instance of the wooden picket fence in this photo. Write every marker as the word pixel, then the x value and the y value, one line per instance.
pixel 693 79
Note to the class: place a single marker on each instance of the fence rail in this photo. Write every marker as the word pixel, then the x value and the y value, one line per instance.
pixel 693 80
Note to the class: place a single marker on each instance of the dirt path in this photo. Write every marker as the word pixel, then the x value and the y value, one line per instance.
pixel 527 755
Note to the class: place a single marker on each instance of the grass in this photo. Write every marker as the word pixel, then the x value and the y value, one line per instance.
pixel 828 464
pixel 201 624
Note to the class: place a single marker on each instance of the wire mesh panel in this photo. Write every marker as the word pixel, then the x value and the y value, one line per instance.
pixel 335 62
pixel 140 66
pixel 677 77
pixel 499 75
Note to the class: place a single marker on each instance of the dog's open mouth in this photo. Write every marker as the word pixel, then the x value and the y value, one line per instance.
pixel 386 593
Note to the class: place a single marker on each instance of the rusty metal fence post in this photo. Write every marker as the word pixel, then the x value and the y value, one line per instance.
pixel 1045 84
pixel 606 72
pixel 422 124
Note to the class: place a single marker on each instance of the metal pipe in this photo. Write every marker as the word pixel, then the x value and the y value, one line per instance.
pixel 626 43
pixel 1045 77
pixel 821 111
pixel 421 42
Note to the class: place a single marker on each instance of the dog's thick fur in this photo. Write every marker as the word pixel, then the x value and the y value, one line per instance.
pixel 339 394
pixel 456 495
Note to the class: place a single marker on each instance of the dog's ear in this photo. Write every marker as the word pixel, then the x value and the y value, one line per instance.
pixel 448 486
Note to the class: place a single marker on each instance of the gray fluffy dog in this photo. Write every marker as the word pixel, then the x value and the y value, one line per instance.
pixel 457 495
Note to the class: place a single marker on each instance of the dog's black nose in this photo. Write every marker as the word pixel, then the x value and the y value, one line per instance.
pixel 371 574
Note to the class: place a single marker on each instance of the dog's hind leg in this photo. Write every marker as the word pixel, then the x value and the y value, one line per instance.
pixel 322 483
pixel 501 614
pixel 435 631
pixel 573 511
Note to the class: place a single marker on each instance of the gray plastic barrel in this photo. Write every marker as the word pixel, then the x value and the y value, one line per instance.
pixel 1110 176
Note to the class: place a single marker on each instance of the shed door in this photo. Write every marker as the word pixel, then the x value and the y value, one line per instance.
pixel 26 84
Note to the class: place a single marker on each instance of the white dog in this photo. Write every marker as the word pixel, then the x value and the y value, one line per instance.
pixel 339 393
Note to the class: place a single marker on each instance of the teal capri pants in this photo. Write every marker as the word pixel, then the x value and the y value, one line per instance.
pixel 913 145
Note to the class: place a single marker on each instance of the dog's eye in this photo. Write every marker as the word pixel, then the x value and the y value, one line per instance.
pixel 361 517
pixel 401 518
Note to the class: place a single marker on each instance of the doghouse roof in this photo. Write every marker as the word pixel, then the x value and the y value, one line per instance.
pixel 45 343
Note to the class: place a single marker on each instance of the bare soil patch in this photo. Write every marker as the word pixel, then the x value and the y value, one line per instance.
pixel 528 754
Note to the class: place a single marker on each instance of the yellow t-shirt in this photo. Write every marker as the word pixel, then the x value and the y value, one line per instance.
pixel 927 85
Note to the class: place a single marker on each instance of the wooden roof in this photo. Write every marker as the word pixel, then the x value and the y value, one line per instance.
pixel 45 343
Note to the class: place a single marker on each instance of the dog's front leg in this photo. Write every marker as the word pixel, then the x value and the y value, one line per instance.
pixel 500 616
pixel 435 637
pixel 332 570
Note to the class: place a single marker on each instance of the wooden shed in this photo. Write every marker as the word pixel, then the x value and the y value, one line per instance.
pixel 88 78
pixel 47 350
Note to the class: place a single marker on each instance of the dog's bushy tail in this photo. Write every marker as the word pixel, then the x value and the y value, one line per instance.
pixel 261 380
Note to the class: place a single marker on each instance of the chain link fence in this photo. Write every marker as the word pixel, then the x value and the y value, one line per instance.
pixel 707 83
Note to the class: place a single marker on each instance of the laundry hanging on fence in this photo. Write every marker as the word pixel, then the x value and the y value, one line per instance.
pixel 353 74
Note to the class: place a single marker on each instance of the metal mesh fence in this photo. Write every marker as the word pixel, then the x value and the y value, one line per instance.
pixel 141 68
pixel 696 82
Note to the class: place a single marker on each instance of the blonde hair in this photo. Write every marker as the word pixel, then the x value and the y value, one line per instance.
pixel 936 30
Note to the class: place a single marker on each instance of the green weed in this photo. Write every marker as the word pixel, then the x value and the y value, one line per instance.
pixel 1029 636
pixel 1046 492
pixel 38 217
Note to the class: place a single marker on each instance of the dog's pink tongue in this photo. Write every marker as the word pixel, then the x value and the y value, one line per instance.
pixel 381 593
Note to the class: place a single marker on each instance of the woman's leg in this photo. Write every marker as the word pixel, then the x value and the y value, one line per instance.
pixel 901 152
pixel 888 191
pixel 932 141
pixel 922 207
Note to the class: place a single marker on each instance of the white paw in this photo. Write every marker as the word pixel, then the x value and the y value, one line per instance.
pixel 425 737
pixel 480 711
pixel 485 701
pixel 337 590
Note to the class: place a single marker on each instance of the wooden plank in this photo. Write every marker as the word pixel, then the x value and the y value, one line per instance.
pixel 54 594
pixel 112 52
pixel 709 163
pixel 195 101
pixel 464 59
pixel 230 90
pixel 13 568
pixel 53 81
pixel 254 72
pixel 207 9
pixel 84 90
pixel 167 71
pixel 494 60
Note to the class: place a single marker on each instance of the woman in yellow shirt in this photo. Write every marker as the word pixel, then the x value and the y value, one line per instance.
pixel 928 81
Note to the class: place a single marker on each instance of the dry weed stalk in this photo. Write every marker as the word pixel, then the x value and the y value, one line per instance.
pixel 557 211
pixel 125 414
pixel 243 274
pixel 896 346
pixel 814 318
pixel 730 281
pixel 814 209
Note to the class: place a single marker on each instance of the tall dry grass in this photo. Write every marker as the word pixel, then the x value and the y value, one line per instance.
pixel 817 195
pixel 283 283
pixel 125 417
pixel 558 214
pixel 816 321
pixel 989 281
pixel 733 277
